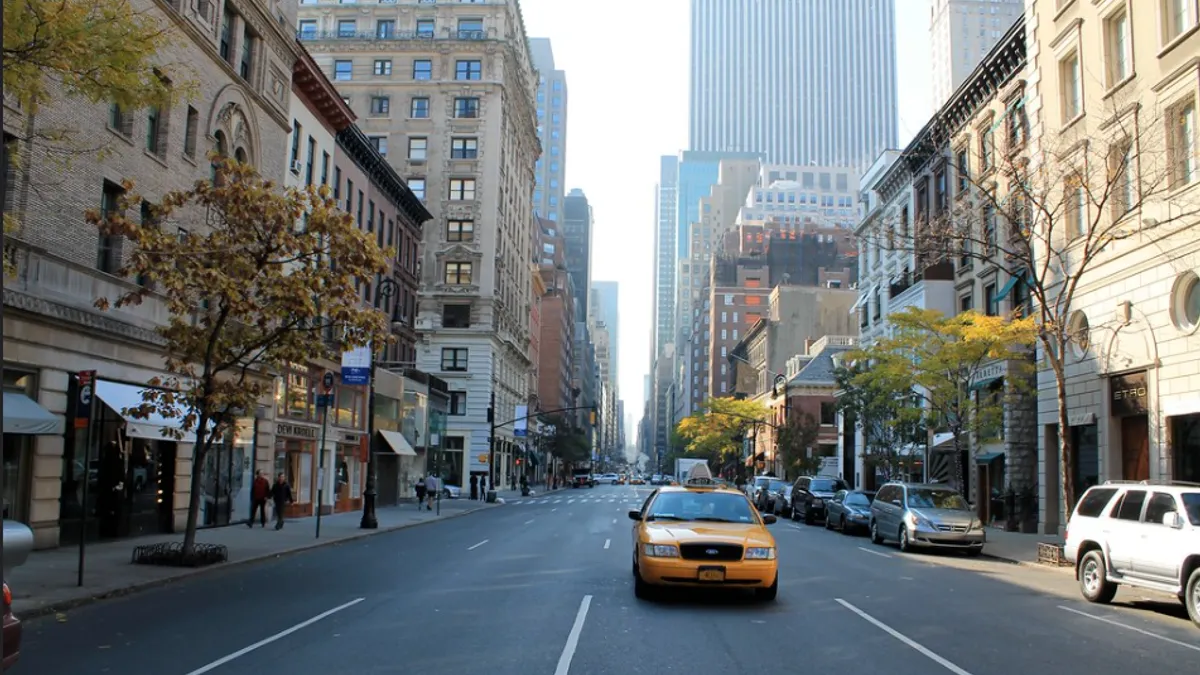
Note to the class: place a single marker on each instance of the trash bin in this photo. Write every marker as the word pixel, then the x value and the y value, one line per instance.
pixel 491 497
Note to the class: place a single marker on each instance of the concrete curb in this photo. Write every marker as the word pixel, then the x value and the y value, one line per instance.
pixel 74 603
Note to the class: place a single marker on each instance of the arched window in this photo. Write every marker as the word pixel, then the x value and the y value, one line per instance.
pixel 240 156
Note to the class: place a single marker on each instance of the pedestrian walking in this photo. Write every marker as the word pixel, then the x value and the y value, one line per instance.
pixel 260 490
pixel 431 488
pixel 281 494
pixel 483 487
pixel 420 488
pixel 474 487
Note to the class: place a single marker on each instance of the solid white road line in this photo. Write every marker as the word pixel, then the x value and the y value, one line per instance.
pixel 903 638
pixel 472 548
pixel 1132 628
pixel 568 652
pixel 282 634
pixel 881 555
pixel 606 543
pixel 529 521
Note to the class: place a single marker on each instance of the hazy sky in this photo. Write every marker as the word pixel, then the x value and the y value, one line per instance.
pixel 627 75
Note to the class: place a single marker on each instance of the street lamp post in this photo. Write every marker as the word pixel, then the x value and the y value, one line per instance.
pixel 385 289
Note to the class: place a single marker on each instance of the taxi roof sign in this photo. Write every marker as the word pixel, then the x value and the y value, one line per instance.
pixel 700 475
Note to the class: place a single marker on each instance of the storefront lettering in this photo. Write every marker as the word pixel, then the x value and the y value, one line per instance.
pixel 1129 394
pixel 296 431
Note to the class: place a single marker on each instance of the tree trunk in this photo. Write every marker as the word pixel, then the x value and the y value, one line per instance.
pixel 199 451
pixel 1066 450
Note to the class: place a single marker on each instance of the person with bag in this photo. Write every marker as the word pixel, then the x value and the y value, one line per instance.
pixel 260 490
pixel 281 494
pixel 420 489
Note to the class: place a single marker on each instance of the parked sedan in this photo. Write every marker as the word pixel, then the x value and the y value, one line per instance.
pixel 810 494
pixel 849 510
pixel 781 501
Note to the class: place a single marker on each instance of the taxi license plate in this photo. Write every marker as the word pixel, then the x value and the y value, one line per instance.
pixel 712 574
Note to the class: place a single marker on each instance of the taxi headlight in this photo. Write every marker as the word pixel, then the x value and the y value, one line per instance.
pixel 660 551
pixel 760 553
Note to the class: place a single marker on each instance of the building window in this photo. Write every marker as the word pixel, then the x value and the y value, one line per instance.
pixel 385 29
pixel 422 69
pixel 381 105
pixel 419 109
pixel 155 128
pixel 383 67
pixel 1070 87
pixel 458 403
pixel 417 185
pixel 425 28
pixel 1016 124
pixel 460 230
pixel 464 148
pixel 454 359
pixel 1121 167
pixel 458 273
pixel 226 34
pixel 380 143
pixel 828 413
pixel 1075 202
pixel 962 165
pixel 966 303
pixel 987 149
pixel 989 230
pixel 991 302
pixel 309 162
pixel 247 62
pixel 308 29
pixel 462 189
pixel 418 148
pixel 468 70
pixel 466 107
pixel 190 131
pixel 119 120
pixel 343 70
pixel 294 394
pixel 456 316
pixel 1178 16
pixel 1182 121
pixel 470 29
pixel 347 28
pixel 1116 47
pixel 108 254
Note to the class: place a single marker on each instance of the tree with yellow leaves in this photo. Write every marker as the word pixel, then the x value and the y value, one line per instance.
pixel 268 277
pixel 713 431
pixel 938 358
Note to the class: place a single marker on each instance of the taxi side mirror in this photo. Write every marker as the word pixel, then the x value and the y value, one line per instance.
pixel 769 519
pixel 634 514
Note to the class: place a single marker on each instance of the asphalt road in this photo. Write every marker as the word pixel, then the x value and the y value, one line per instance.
pixel 543 587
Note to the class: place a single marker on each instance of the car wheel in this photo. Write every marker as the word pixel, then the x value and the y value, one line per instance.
pixel 795 514
pixel 905 544
pixel 1192 594
pixel 809 518
pixel 875 538
pixel 445 494
pixel 641 589
pixel 769 593
pixel 828 525
pixel 1093 579
pixel 842 525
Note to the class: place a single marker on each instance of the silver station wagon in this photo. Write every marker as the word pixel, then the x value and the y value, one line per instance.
pixel 925 516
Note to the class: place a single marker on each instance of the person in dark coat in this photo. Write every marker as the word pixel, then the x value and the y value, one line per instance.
pixel 474 487
pixel 281 494
pixel 420 490
pixel 260 490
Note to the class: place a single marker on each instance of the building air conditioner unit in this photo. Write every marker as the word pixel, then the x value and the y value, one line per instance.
pixel 296 166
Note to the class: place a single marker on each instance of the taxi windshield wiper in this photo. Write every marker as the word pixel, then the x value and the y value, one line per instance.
pixel 714 519
pixel 664 516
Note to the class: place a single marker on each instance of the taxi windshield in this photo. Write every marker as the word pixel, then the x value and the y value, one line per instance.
pixel 716 507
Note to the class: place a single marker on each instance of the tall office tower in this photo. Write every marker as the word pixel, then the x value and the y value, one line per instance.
pixel 961 32
pixel 665 236
pixel 577 232
pixel 551 170
pixel 798 80
pixel 447 92
pixel 606 295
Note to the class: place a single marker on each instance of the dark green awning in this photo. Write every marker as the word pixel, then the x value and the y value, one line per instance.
pixel 1007 287
pixel 984 384
pixel 988 457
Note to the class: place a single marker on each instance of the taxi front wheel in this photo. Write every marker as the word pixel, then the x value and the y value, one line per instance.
pixel 641 589
pixel 769 593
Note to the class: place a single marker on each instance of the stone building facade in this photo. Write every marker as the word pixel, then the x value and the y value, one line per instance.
pixel 446 92
pixel 240 54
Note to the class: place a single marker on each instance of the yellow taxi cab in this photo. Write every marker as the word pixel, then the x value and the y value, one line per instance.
pixel 637 480
pixel 703 535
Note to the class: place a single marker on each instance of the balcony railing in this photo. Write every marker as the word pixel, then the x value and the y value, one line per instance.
pixel 389 36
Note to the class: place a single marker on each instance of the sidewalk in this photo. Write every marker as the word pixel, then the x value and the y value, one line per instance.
pixel 1016 547
pixel 47 582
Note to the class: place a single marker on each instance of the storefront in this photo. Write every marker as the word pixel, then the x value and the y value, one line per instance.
pixel 295 451
pixel 350 472
pixel 227 474
pixel 24 421
pixel 1130 401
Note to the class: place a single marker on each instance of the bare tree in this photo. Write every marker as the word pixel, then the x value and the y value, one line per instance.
pixel 1048 210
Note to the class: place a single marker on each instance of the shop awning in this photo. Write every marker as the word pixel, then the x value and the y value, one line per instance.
pixel 23 415
pixel 988 457
pixel 121 396
pixel 398 443
pixel 984 383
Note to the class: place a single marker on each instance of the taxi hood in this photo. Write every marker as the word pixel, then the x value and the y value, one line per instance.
pixel 676 532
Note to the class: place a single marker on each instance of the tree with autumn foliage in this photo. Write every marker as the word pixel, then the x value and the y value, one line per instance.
pixel 264 278
pixel 794 441
pixel 884 409
pixel 713 431
pixel 937 358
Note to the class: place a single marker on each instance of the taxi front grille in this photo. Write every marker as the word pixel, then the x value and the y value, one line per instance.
pixel 717 552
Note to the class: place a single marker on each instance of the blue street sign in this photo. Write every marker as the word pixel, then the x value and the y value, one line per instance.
pixel 324 400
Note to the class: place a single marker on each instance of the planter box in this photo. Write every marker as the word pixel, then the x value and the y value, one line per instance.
pixel 1052 554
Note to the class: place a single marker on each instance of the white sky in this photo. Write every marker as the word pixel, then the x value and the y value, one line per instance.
pixel 627 74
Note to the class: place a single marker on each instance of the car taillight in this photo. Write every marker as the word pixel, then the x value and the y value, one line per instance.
pixel 7 597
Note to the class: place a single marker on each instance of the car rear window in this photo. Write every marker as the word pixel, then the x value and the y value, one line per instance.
pixel 826 485
pixel 1094 501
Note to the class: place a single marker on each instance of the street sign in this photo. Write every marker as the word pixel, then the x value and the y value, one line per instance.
pixel 521 424
pixel 327 381
pixel 324 400
pixel 483 459
pixel 356 367
pixel 83 405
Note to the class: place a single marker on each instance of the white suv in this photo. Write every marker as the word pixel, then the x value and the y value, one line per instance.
pixel 1141 534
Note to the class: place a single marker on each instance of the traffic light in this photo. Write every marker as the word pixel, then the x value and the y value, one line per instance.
pixel 518 461
pixel 592 417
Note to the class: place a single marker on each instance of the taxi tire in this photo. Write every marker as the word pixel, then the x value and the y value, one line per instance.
pixel 769 593
pixel 641 589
